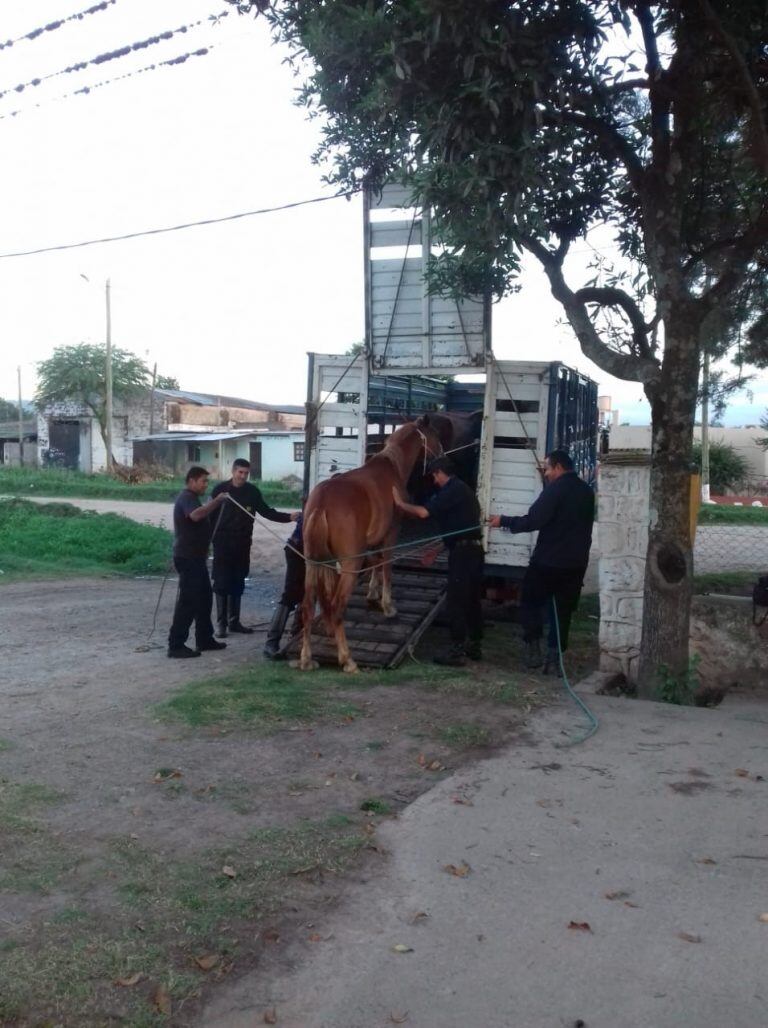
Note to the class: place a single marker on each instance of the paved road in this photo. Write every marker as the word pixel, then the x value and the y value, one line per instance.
pixel 615 884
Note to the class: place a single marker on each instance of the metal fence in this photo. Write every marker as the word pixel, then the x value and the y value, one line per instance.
pixel 730 548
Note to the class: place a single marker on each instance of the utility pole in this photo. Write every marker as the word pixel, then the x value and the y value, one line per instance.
pixel 152 401
pixel 21 422
pixel 108 403
pixel 705 430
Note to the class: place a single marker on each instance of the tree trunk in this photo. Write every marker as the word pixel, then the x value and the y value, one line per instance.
pixel 669 567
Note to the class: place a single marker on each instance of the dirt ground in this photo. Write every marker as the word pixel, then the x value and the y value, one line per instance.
pixel 106 810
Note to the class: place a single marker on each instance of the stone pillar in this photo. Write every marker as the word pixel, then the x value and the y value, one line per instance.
pixel 623 506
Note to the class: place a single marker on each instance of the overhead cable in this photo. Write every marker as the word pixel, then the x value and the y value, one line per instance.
pixel 112 55
pixel 52 25
pixel 176 228
pixel 85 90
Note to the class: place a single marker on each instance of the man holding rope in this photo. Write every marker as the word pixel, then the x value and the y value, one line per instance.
pixel 192 537
pixel 232 544
pixel 563 516
pixel 457 512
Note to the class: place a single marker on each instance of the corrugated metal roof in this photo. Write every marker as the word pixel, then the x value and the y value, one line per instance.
pixel 212 400
pixel 10 429
pixel 207 437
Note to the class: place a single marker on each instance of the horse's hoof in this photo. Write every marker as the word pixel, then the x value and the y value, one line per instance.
pixel 304 665
pixel 350 667
pixel 391 613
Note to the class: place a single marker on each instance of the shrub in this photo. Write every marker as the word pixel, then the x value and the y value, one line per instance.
pixel 727 468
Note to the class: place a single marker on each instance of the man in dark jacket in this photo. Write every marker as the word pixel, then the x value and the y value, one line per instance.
pixel 292 595
pixel 457 513
pixel 192 537
pixel 563 516
pixel 232 544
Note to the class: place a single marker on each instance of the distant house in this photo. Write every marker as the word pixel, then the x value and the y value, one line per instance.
pixel 273 453
pixel 154 426
pixel 9 442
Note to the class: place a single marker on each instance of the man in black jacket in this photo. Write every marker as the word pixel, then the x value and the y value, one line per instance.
pixel 563 516
pixel 457 514
pixel 232 544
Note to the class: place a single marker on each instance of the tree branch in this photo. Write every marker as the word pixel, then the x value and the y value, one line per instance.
pixel 758 117
pixel 610 296
pixel 629 367
pixel 745 249
pixel 613 140
pixel 660 133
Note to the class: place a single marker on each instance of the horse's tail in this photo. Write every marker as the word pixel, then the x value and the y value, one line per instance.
pixel 320 579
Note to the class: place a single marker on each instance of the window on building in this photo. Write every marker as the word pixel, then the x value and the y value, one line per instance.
pixel 193 453
pixel 298 451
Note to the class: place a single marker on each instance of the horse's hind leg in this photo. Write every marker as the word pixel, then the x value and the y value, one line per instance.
pixel 343 592
pixel 305 661
pixel 387 606
pixel 373 596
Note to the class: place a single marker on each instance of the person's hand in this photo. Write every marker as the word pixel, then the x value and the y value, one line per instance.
pixel 295 515
pixel 495 520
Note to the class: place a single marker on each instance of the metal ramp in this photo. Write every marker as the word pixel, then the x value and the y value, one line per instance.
pixel 376 641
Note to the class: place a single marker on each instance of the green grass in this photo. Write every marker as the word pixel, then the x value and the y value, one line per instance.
pixel 61 482
pixel 727 514
pixel 723 581
pixel 465 736
pixel 163 913
pixel 376 805
pixel 59 538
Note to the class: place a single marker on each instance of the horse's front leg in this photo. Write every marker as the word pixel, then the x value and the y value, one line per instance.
pixel 387 606
pixel 348 580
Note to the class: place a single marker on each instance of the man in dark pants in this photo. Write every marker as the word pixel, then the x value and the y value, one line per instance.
pixel 192 530
pixel 293 593
pixel 563 516
pixel 457 513
pixel 232 544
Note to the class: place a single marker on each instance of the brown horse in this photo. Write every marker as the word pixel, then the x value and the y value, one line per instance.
pixel 350 518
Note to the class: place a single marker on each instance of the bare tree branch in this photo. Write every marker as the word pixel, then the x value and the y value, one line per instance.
pixel 744 250
pixel 611 296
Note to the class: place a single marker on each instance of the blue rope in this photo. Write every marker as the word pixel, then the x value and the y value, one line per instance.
pixel 594 723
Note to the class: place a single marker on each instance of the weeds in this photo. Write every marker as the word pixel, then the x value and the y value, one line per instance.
pixel 678 689
pixel 59 537
pixel 465 736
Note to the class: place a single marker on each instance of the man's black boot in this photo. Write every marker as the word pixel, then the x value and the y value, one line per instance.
pixel 455 657
pixel 221 615
pixel 211 644
pixel 182 652
pixel 234 617
pixel 552 663
pixel 474 649
pixel 275 633
pixel 533 657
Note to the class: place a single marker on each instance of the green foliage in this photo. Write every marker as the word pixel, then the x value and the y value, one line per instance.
pixel 727 514
pixel 64 482
pixel 678 689
pixel 59 536
pixel 166 382
pixel 469 735
pixel 764 425
pixel 727 468
pixel 8 411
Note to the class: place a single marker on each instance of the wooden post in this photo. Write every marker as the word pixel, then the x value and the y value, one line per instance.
pixel 108 403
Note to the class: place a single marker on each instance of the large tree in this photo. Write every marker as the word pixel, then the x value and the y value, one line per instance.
pixel 524 124
pixel 80 373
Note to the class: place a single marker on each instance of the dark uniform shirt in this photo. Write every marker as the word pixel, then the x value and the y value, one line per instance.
pixel 192 538
pixel 455 507
pixel 563 516
pixel 234 527
pixel 297 538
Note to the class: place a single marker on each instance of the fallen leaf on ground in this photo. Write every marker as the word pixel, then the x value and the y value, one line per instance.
pixel 129 980
pixel 398 1018
pixel 207 962
pixel 629 903
pixel 421 760
pixel 421 915
pixel 618 895
pixel 270 935
pixel 688 937
pixel 228 871
pixel 166 773
pixel 461 871
pixel 741 772
pixel 435 766
pixel 270 1016
pixel 705 860
pixel 354 776
pixel 315 937
pixel 304 870
pixel 763 918
pixel 400 947
pixel 161 999
pixel 463 801
pixel 580 926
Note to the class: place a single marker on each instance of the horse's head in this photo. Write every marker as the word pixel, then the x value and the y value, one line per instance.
pixel 430 435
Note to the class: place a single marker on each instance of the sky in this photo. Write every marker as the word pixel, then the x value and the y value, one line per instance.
pixel 230 308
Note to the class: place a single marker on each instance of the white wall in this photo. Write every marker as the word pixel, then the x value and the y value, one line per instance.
pixel 638 437
pixel 277 459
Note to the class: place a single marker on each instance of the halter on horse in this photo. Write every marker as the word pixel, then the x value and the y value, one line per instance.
pixel 348 520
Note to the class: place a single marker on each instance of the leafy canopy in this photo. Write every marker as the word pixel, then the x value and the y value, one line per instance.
pixel 79 373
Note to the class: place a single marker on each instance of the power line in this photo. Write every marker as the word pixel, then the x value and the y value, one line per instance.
pixel 177 228
pixel 113 55
pixel 85 90
pixel 52 25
